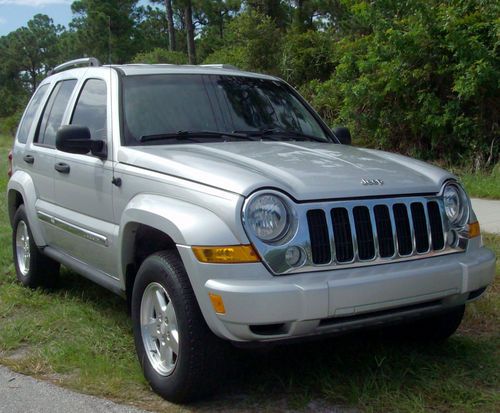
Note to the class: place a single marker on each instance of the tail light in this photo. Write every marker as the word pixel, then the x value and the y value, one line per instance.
pixel 9 172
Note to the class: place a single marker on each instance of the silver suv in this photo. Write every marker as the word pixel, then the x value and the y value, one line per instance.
pixel 221 206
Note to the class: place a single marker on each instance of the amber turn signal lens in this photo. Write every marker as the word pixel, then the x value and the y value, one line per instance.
pixel 230 254
pixel 217 303
pixel 474 230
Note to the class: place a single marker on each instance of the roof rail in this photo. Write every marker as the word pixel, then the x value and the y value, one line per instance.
pixel 221 66
pixel 89 61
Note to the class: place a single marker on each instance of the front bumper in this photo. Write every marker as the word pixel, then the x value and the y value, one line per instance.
pixel 262 307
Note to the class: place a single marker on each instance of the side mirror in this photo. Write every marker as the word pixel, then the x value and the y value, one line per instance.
pixel 343 135
pixel 77 139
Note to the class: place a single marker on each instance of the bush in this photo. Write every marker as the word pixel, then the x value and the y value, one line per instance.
pixel 307 56
pixel 423 80
pixel 252 42
pixel 8 125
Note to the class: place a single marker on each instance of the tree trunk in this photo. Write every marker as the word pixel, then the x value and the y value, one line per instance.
pixel 221 24
pixel 188 17
pixel 170 25
pixel 302 20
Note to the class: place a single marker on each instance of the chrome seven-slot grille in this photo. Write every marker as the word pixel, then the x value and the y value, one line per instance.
pixel 380 229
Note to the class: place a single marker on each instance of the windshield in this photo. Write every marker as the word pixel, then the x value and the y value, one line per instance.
pixel 159 105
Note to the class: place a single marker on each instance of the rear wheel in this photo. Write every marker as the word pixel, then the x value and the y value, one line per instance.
pixel 33 269
pixel 179 355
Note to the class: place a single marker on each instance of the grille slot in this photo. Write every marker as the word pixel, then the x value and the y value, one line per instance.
pixel 420 227
pixel 436 225
pixel 365 230
pixel 344 251
pixel 403 230
pixel 318 232
pixel 364 233
pixel 384 231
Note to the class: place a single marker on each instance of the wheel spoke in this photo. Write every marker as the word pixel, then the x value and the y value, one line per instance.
pixel 151 329
pixel 159 302
pixel 159 329
pixel 171 318
pixel 23 252
pixel 174 341
pixel 165 353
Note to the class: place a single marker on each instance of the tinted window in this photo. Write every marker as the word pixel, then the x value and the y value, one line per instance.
pixel 157 104
pixel 54 111
pixel 169 103
pixel 90 109
pixel 29 115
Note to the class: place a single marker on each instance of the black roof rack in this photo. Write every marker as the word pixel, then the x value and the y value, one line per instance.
pixel 89 61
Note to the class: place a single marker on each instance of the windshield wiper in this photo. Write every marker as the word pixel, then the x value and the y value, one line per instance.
pixel 191 135
pixel 276 132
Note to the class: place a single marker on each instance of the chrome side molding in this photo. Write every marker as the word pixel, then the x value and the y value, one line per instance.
pixel 73 229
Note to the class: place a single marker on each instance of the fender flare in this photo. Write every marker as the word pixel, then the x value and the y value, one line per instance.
pixel 185 223
pixel 21 182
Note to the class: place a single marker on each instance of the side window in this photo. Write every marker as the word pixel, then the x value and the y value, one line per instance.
pixel 90 109
pixel 54 111
pixel 29 115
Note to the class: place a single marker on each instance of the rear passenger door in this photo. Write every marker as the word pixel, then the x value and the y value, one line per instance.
pixel 83 183
pixel 40 155
pixel 43 153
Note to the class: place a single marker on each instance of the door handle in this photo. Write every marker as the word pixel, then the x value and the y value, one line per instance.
pixel 29 158
pixel 62 167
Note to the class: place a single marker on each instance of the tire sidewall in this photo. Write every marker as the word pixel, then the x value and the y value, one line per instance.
pixel 154 269
pixel 28 279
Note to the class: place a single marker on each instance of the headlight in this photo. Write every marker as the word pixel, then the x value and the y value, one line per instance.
pixel 456 204
pixel 268 217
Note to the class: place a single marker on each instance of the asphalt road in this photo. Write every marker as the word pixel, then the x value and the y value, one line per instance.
pixel 488 214
pixel 23 394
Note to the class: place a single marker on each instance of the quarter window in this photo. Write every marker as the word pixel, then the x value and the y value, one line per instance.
pixel 54 112
pixel 29 115
pixel 90 110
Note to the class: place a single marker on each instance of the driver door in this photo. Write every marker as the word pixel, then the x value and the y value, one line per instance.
pixel 83 188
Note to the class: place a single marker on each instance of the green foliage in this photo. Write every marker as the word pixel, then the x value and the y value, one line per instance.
pixel 423 80
pixel 28 53
pixel 105 29
pixel 8 124
pixel 307 56
pixel 161 56
pixel 252 42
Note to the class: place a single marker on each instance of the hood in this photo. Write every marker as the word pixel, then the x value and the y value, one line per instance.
pixel 305 170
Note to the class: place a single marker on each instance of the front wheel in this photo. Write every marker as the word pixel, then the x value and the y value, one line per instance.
pixel 178 353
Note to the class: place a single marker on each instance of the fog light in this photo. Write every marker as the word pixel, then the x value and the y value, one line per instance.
pixel 294 256
pixel 452 238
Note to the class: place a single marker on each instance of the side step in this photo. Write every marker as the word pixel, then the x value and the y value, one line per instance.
pixel 94 275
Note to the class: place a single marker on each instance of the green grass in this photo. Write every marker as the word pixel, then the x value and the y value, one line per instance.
pixel 80 337
pixel 482 184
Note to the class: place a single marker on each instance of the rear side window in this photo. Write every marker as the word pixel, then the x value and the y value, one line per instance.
pixel 90 109
pixel 54 112
pixel 29 115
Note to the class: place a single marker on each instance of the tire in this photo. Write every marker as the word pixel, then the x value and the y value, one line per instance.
pixel 33 269
pixel 192 372
pixel 436 328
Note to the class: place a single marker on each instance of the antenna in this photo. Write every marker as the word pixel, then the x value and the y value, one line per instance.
pixel 109 39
